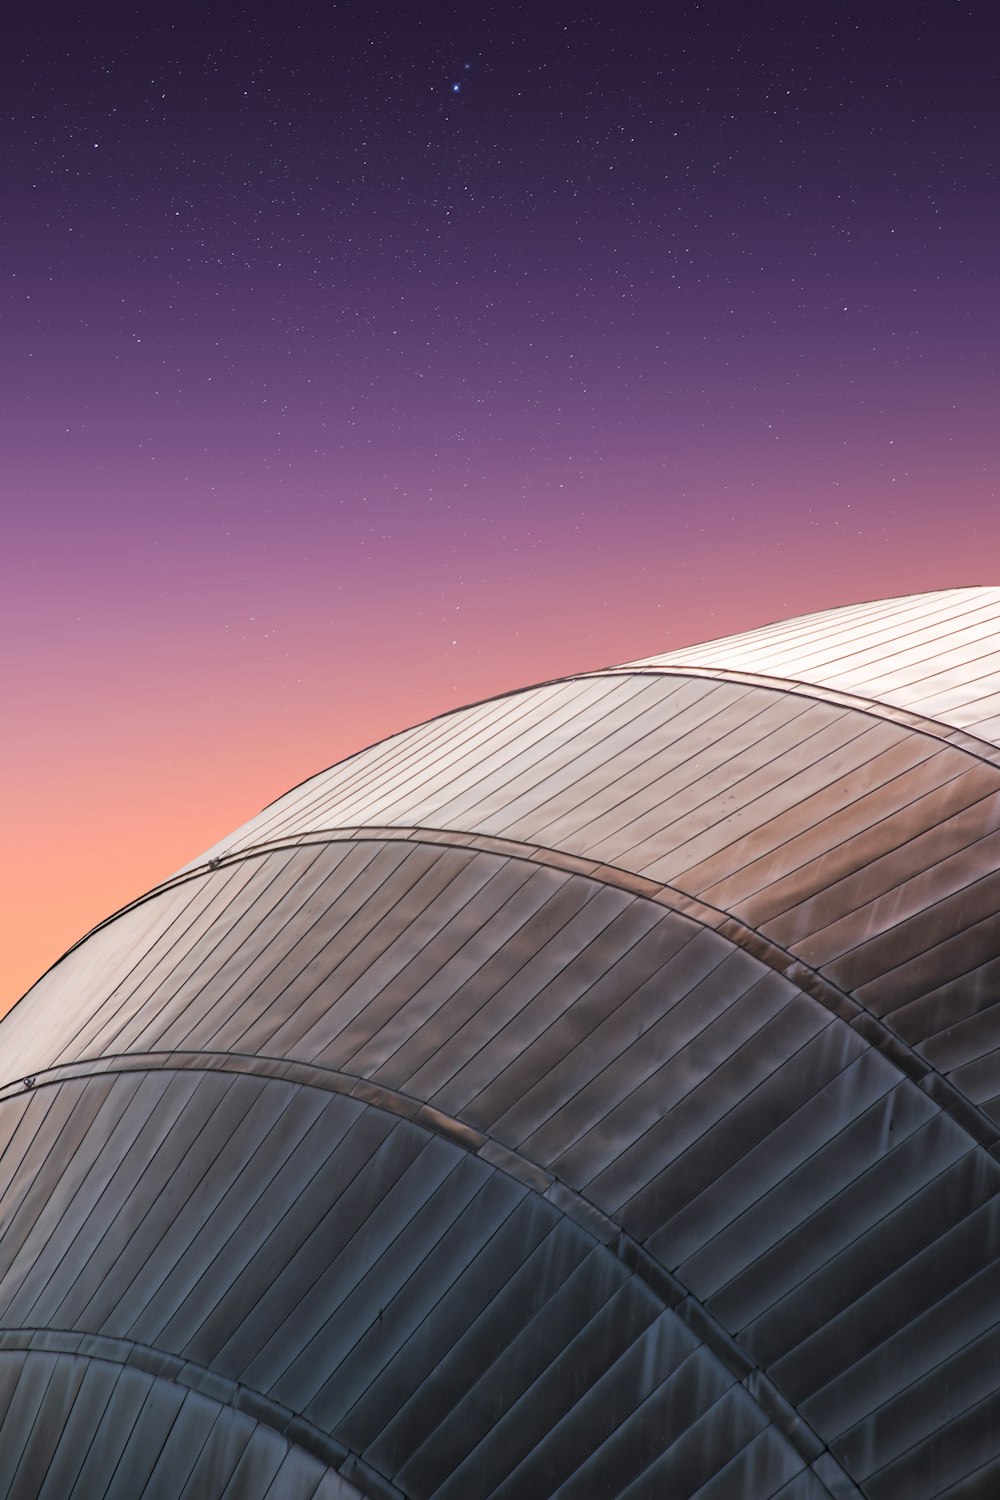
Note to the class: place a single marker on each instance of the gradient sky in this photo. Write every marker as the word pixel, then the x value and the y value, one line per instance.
pixel 359 362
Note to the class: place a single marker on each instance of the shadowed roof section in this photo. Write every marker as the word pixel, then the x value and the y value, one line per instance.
pixel 591 1092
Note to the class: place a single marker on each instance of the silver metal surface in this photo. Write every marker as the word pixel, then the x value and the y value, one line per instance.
pixel 593 1092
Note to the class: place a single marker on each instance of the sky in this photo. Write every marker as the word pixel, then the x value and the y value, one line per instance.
pixel 361 361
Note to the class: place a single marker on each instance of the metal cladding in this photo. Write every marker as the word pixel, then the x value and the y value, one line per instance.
pixel 594 1092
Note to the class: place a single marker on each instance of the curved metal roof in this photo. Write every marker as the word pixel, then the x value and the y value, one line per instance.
pixel 935 655
pixel 595 1091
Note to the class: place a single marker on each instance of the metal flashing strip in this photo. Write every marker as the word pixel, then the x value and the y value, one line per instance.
pixel 219 1388
pixel 810 981
pixel 957 739
pixel 910 1063
pixel 663 1283
pixel 874 708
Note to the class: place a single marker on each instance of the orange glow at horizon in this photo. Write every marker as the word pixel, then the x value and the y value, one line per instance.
pixel 116 780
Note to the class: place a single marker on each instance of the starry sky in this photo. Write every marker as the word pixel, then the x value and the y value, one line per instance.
pixel 358 361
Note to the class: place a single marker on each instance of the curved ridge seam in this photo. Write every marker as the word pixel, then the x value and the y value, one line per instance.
pixel 203 1380
pixel 967 1115
pixel 812 982
pixel 952 735
pixel 665 1285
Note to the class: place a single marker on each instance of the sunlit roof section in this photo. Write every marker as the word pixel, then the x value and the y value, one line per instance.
pixel 935 655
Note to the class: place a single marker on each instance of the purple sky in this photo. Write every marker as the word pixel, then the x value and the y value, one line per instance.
pixel 361 361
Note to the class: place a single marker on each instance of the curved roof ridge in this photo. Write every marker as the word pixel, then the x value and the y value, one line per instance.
pixel 780 622
pixel 606 1230
pixel 811 980
pixel 959 739
pixel 935 655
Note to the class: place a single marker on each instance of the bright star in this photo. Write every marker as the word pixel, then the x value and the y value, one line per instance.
pixel 456 88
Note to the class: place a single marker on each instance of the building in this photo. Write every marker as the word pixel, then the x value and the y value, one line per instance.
pixel 593 1092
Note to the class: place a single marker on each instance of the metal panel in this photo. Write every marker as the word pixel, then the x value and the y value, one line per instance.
pixel 731 1241
pixel 830 821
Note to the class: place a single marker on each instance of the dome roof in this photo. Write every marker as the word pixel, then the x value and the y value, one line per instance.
pixel 591 1092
